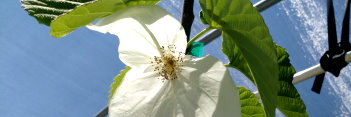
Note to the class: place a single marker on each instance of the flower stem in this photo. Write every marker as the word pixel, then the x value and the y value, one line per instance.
pixel 197 36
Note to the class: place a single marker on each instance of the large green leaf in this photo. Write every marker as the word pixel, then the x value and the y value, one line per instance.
pixel 250 106
pixel 252 60
pixel 116 81
pixel 64 16
pixel 289 101
pixel 248 45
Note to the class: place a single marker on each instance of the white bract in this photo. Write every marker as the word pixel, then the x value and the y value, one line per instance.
pixel 163 81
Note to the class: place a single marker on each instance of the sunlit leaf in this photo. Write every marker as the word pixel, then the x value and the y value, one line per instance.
pixel 64 16
pixel 45 11
pixel 250 106
pixel 116 81
pixel 248 45
pixel 203 20
pixel 289 100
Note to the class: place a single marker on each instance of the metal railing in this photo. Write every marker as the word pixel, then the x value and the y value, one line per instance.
pixel 213 34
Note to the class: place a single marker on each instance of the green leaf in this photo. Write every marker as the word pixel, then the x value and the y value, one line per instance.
pixel 117 81
pixel 86 14
pixel 254 62
pixel 65 16
pixel 45 11
pixel 289 100
pixel 250 106
pixel 203 20
pixel 248 45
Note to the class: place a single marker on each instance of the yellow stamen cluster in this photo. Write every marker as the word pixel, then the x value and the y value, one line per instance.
pixel 169 64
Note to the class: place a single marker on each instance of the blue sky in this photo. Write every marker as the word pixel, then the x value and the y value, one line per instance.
pixel 45 76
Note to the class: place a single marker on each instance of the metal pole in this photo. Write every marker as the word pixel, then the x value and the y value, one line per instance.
pixel 310 72
pixel 264 4
pixel 260 6
pixel 103 112
pixel 314 71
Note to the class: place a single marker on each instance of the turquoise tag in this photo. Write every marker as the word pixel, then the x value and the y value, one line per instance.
pixel 197 49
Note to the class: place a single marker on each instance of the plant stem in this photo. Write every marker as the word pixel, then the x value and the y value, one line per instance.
pixel 197 36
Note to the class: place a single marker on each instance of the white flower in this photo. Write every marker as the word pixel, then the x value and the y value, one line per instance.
pixel 163 82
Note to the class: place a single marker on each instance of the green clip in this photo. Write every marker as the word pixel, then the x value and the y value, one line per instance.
pixel 197 49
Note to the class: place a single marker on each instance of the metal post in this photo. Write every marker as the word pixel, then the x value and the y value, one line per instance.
pixel 264 4
pixel 314 71
pixel 103 112
pixel 310 72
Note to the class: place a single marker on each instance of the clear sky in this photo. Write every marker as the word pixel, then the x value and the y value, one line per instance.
pixel 43 76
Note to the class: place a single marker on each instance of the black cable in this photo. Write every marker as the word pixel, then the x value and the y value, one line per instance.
pixel 333 60
pixel 318 82
pixel 332 38
pixel 345 44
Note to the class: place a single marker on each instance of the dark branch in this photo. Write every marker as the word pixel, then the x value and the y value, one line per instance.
pixel 103 112
pixel 187 16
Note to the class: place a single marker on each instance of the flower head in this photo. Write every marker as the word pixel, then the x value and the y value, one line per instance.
pixel 163 81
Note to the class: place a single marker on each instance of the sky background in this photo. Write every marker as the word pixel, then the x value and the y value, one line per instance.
pixel 43 76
